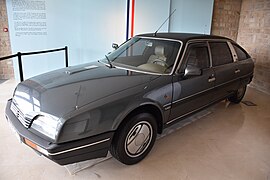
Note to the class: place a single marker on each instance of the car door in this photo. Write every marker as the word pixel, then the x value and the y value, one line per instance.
pixel 225 69
pixel 192 92
pixel 244 62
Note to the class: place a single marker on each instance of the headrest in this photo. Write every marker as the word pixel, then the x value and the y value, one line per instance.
pixel 159 51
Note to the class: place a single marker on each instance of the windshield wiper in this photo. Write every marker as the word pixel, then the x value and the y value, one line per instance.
pixel 109 62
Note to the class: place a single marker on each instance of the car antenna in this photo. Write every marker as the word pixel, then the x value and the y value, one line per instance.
pixel 155 34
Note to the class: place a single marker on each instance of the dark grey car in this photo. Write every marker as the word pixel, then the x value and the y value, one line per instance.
pixel 120 103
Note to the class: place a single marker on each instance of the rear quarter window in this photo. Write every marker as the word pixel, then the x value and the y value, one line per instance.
pixel 221 53
pixel 241 54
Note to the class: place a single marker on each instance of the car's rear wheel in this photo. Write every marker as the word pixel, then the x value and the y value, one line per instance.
pixel 134 139
pixel 239 94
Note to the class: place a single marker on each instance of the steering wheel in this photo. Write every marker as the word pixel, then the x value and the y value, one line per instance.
pixel 160 62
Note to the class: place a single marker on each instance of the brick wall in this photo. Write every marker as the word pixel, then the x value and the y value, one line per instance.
pixel 254 36
pixel 6 67
pixel 226 15
pixel 248 23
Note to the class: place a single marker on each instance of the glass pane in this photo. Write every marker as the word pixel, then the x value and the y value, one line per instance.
pixel 198 56
pixel 151 55
pixel 221 53
pixel 240 53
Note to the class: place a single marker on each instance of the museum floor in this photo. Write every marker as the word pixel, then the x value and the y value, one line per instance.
pixel 226 141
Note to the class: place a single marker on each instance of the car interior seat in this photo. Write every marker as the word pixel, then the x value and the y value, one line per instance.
pixel 157 62
pixel 159 56
pixel 192 58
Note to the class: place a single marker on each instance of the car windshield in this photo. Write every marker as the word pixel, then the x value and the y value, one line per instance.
pixel 146 55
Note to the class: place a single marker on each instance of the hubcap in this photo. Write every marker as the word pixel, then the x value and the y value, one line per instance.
pixel 138 139
pixel 240 92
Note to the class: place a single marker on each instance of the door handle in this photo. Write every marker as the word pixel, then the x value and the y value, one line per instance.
pixel 211 79
pixel 237 71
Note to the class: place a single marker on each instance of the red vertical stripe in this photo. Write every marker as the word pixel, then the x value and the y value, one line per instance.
pixel 132 17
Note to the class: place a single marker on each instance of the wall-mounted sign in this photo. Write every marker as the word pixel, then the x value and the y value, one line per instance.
pixel 29 17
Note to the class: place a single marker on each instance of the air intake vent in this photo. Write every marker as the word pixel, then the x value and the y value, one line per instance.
pixel 16 111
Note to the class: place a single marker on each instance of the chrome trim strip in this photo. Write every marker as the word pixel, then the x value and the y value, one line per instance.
pixel 80 147
pixel 233 53
pixel 182 99
pixel 210 55
pixel 169 122
pixel 203 40
pixel 176 101
pixel 167 104
pixel 168 108
pixel 198 41
pixel 175 62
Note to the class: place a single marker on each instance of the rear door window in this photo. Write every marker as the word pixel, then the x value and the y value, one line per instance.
pixel 221 53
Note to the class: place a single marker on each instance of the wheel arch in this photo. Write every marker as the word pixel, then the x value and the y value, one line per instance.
pixel 150 108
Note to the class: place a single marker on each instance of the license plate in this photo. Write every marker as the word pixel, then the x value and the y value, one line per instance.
pixel 15 132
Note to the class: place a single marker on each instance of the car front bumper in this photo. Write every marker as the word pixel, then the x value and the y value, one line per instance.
pixel 64 153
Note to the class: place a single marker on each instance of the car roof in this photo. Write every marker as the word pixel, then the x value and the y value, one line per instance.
pixel 184 37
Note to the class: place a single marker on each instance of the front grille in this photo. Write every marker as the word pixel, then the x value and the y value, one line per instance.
pixel 17 112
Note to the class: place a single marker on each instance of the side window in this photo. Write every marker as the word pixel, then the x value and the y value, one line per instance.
pixel 198 56
pixel 221 53
pixel 242 55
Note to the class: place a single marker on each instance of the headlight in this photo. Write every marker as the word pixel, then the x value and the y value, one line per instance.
pixel 47 124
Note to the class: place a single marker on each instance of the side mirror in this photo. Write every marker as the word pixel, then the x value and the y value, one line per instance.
pixel 115 46
pixel 192 71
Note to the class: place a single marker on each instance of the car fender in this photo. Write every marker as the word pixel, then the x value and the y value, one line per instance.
pixel 137 106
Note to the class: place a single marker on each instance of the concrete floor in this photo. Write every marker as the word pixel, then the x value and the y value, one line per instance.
pixel 231 142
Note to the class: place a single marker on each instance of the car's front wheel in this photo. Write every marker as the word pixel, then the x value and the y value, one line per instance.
pixel 134 139
pixel 239 94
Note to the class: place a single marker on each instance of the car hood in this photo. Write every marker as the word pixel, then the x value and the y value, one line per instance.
pixel 62 91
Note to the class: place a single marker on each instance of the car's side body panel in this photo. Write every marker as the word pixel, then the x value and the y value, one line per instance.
pixel 246 69
pixel 187 100
pixel 109 112
pixel 226 80
pixel 93 101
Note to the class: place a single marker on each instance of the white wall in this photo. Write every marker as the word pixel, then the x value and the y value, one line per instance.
pixel 194 16
pixel 150 14
pixel 89 27
pixel 102 23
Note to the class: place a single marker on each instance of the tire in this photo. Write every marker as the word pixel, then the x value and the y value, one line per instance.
pixel 238 96
pixel 134 139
